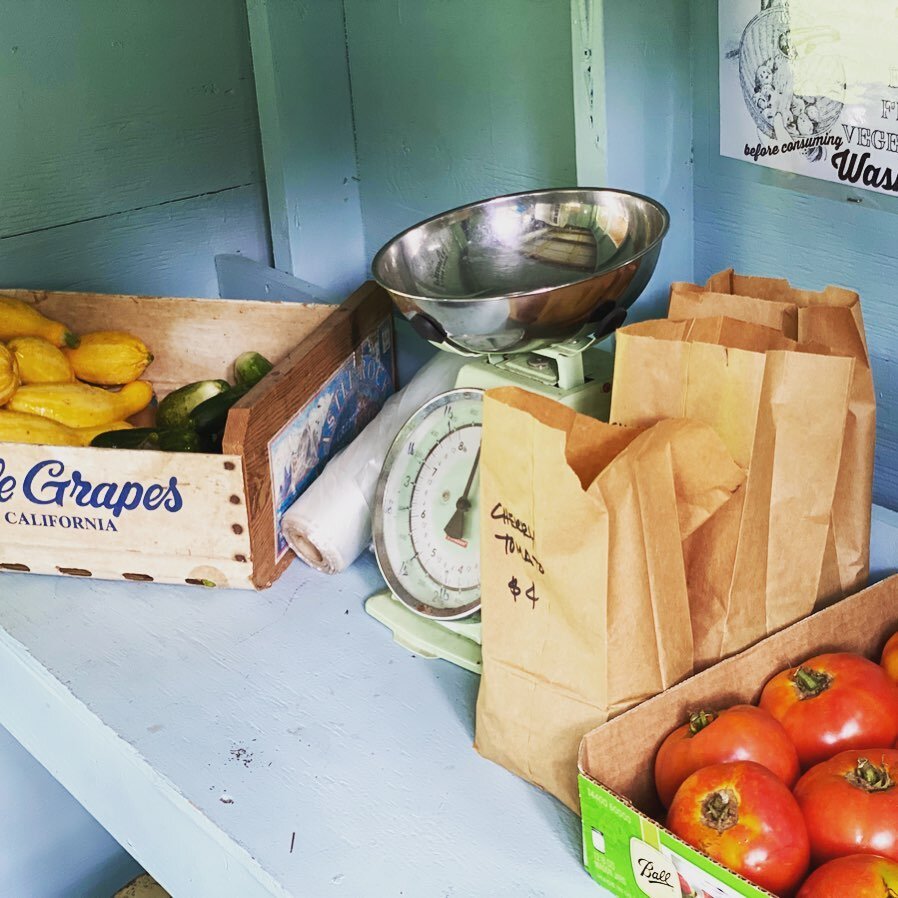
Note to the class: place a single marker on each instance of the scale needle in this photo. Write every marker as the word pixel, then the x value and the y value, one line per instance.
pixel 455 529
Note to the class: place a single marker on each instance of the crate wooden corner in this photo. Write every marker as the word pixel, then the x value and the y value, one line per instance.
pixel 180 517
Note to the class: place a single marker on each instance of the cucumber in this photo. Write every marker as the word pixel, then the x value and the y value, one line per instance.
pixel 135 438
pixel 250 368
pixel 174 410
pixel 179 439
pixel 173 439
pixel 210 417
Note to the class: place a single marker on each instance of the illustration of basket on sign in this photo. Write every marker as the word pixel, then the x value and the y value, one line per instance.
pixel 774 57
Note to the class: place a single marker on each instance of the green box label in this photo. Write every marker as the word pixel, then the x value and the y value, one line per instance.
pixel 627 854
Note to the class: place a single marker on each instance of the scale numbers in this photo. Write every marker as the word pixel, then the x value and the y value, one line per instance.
pixel 426 517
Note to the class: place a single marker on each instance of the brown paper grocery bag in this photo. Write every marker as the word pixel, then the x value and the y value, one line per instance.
pixel 831 318
pixel 584 604
pixel 756 566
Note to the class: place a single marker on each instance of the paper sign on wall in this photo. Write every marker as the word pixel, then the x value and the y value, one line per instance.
pixel 811 87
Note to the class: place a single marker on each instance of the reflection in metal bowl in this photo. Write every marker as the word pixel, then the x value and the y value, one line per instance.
pixel 520 272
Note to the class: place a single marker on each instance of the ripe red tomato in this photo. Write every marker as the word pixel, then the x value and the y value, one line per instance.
pixel 741 815
pixel 857 876
pixel 833 703
pixel 850 805
pixel 889 660
pixel 741 733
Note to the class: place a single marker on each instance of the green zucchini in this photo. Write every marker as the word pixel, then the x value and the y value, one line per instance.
pixel 250 368
pixel 179 439
pixel 172 439
pixel 210 417
pixel 134 438
pixel 174 410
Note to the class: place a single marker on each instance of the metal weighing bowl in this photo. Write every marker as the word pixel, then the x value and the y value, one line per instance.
pixel 522 272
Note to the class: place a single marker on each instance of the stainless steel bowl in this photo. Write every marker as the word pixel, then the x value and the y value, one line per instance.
pixel 521 272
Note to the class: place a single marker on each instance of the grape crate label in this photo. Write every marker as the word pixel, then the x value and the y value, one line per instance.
pixel 338 413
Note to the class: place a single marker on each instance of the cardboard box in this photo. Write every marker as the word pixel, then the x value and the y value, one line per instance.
pixel 625 850
pixel 205 519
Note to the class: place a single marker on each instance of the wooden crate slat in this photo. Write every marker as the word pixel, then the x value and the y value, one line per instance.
pixel 263 412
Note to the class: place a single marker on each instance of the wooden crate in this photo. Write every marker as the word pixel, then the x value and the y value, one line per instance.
pixel 199 518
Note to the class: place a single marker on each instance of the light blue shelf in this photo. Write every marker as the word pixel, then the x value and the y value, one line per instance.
pixel 279 743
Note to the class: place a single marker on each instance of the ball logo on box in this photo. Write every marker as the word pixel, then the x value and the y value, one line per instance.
pixel 49 484
pixel 655 873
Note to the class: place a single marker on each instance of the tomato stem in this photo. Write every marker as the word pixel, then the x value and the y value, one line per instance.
pixel 870 778
pixel 720 810
pixel 810 683
pixel 699 720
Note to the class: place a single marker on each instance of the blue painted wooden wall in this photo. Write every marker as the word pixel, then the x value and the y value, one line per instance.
pixel 129 157
pixel 648 103
pixel 129 147
pixel 768 223
pixel 454 102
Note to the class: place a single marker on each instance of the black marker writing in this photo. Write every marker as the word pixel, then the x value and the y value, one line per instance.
pixel 500 513
pixel 514 548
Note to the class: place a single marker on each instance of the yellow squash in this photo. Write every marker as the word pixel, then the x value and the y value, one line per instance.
pixel 109 358
pixel 86 434
pixel 40 362
pixel 9 374
pixel 18 319
pixel 16 427
pixel 80 405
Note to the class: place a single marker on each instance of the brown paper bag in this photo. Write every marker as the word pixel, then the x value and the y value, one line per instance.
pixel 757 566
pixel 831 318
pixel 584 604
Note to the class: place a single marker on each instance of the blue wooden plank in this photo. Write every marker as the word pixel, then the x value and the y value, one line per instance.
pixel 243 278
pixel 237 727
pixel 305 114
pixel 457 101
pixel 588 70
pixel 164 250
pixel 121 104
pixel 647 84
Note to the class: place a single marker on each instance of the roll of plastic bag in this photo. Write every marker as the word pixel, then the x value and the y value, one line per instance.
pixel 329 525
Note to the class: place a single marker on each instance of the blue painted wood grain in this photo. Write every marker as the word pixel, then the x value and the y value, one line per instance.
pixel 457 101
pixel 130 151
pixel 110 106
pixel 306 114
pixel 767 223
pixel 162 250
pixel 648 110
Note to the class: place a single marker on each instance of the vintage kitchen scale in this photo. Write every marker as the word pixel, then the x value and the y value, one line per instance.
pixel 526 286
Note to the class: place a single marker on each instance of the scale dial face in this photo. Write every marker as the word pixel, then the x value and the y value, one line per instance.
pixel 427 510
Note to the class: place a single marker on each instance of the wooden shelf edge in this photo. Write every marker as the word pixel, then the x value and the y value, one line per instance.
pixel 185 853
